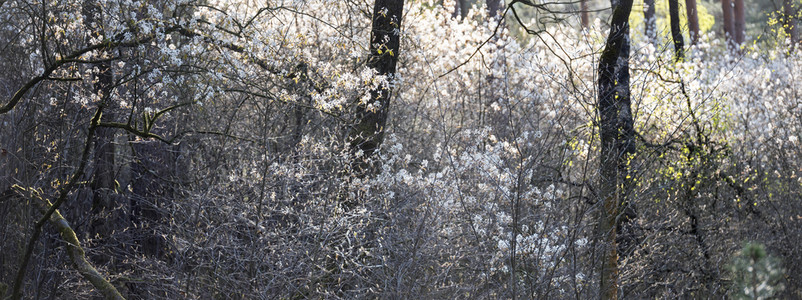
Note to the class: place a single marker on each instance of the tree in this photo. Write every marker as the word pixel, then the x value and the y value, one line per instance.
pixel 676 32
pixel 739 22
pixel 461 8
pixel 727 19
pixel 371 115
pixel 755 274
pixel 693 20
pixel 495 8
pixel 103 177
pixel 617 141
pixel 584 14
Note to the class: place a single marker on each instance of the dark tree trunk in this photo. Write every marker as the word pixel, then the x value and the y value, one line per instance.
pixel 617 138
pixel 494 8
pixel 153 174
pixel 461 8
pixel 371 116
pixel 739 23
pixel 693 20
pixel 676 33
pixel 729 24
pixel 649 19
pixel 103 176
pixel 584 14
pixel 789 18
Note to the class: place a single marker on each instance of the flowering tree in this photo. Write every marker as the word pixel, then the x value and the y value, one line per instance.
pixel 371 114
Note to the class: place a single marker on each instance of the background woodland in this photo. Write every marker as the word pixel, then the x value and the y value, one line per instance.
pixel 449 149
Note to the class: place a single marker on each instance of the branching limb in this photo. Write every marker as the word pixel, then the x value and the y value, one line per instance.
pixel 74 250
pixel 501 21
pixel 62 196
pixel 75 58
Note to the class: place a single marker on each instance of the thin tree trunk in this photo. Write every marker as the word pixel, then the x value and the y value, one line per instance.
pixel 676 33
pixel 693 20
pixel 739 23
pixel 615 125
pixel 649 19
pixel 371 116
pixel 789 17
pixel 51 210
pixel 583 13
pixel 729 25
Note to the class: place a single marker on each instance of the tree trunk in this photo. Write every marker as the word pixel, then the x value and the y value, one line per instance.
pixel 617 136
pixel 461 8
pixel 693 20
pixel 739 23
pixel 77 256
pixel 74 250
pixel 789 24
pixel 152 176
pixel 649 19
pixel 494 8
pixel 103 182
pixel 729 25
pixel 584 14
pixel 676 33
pixel 371 116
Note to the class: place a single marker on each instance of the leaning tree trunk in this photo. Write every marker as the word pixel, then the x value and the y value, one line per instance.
pixel 676 33
pixel 75 252
pixel 693 20
pixel 371 115
pixel 616 131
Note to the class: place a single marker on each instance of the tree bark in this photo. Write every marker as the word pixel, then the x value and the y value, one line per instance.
pixel 75 252
pixel 739 23
pixel 676 33
pixel 729 25
pixel 103 182
pixel 461 8
pixel 152 175
pixel 371 116
pixel 584 14
pixel 78 256
pixel 649 19
pixel 51 209
pixel 494 8
pixel 693 20
pixel 617 137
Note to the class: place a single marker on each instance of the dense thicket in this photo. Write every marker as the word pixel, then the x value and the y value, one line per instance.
pixel 203 149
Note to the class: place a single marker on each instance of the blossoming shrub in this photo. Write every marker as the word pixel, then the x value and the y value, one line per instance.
pixel 485 186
